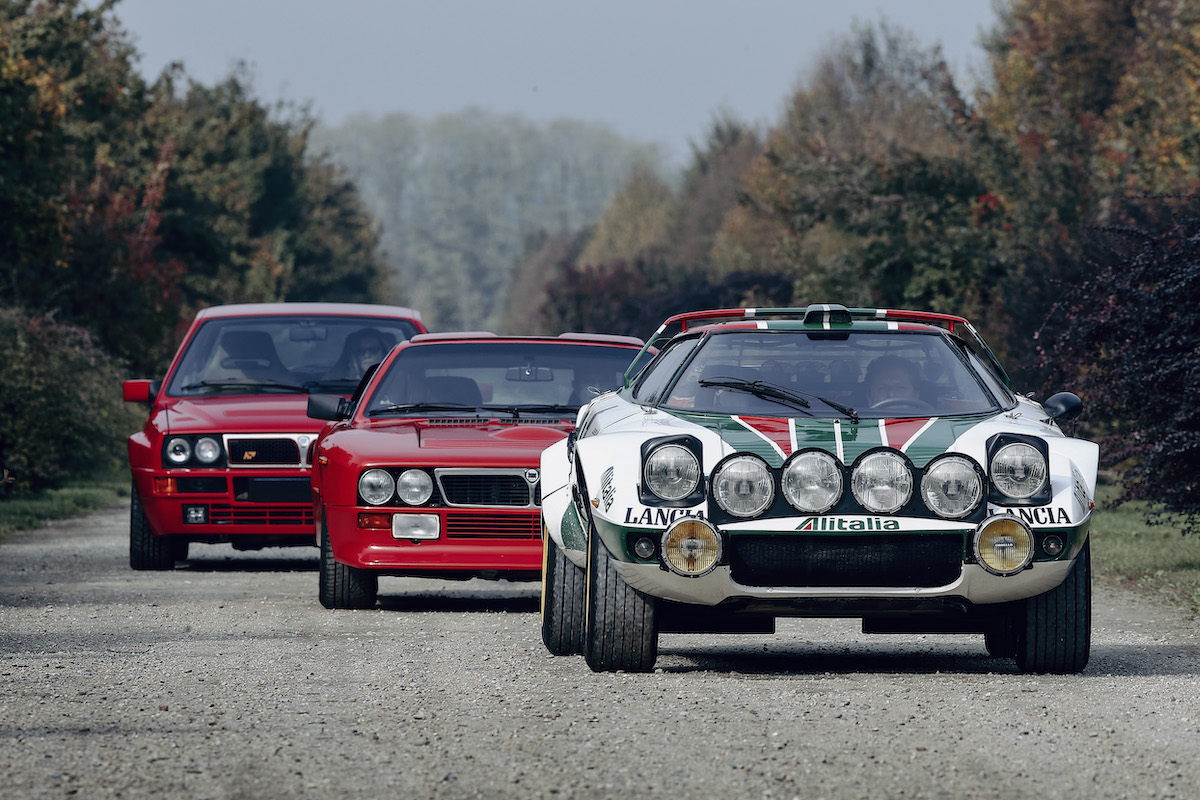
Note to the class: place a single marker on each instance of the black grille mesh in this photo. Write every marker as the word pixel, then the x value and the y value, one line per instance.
pixel 827 561
pixel 256 452
pixel 486 490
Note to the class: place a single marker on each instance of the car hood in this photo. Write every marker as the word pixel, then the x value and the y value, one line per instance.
pixel 485 443
pixel 277 413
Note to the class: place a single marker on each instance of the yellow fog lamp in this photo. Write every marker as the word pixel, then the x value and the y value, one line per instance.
pixel 1004 545
pixel 691 547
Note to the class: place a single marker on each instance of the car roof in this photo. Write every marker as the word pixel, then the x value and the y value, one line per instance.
pixel 487 336
pixel 308 308
pixel 823 316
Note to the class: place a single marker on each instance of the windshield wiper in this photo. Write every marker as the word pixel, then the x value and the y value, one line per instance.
pixel 234 384
pixel 770 391
pixel 543 408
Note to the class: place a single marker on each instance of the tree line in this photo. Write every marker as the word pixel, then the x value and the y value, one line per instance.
pixel 1052 204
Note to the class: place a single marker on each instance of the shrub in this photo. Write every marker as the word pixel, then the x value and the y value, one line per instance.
pixel 61 413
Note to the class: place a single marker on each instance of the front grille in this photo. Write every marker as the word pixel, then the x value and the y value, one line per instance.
pixel 487 488
pixel 271 452
pixel 260 515
pixel 508 526
pixel 826 561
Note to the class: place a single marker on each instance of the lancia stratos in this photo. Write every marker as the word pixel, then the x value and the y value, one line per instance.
pixel 819 462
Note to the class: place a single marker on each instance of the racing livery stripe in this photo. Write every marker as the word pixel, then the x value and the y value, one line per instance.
pixel 774 439
pixel 776 431
pixel 900 433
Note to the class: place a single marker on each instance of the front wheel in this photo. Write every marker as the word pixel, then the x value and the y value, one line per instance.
pixel 343 586
pixel 147 551
pixel 564 591
pixel 621 633
pixel 1054 633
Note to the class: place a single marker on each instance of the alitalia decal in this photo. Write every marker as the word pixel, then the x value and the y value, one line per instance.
pixel 847 524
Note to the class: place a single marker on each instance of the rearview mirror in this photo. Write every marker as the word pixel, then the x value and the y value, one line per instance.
pixel 529 374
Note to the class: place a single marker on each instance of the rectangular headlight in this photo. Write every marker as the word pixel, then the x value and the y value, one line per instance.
pixel 415 526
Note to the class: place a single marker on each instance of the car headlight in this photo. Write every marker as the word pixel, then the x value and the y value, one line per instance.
pixel 672 472
pixel 743 486
pixel 179 451
pixel 376 486
pixel 882 482
pixel 1004 544
pixel 812 482
pixel 691 547
pixel 414 486
pixel 1019 470
pixel 208 450
pixel 951 487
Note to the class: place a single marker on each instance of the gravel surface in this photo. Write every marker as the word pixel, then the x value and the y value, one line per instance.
pixel 226 679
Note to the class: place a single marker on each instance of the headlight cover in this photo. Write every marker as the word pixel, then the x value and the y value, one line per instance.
pixel 179 451
pixel 414 486
pixel 672 472
pixel 743 486
pixel 1018 470
pixel 691 547
pixel 376 486
pixel 208 450
pixel 881 482
pixel 952 487
pixel 812 482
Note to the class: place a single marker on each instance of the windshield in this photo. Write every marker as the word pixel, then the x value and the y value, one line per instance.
pixel 871 375
pixel 503 376
pixel 272 354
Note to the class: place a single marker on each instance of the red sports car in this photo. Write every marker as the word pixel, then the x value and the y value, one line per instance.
pixel 432 470
pixel 224 454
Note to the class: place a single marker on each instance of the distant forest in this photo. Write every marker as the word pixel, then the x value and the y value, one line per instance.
pixel 1053 204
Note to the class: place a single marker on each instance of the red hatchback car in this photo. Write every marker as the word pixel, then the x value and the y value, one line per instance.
pixel 224 455
pixel 433 470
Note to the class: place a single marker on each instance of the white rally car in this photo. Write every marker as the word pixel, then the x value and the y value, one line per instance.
pixel 819 462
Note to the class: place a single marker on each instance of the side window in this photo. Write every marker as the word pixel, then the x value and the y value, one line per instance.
pixel 661 371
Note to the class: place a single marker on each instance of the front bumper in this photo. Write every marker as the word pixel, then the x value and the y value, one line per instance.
pixel 477 541
pixel 963 580
pixel 221 505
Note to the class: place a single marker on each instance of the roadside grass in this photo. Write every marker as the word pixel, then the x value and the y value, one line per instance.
pixel 1157 561
pixel 74 500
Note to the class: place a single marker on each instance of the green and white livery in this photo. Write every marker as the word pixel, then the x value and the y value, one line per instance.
pixel 819 462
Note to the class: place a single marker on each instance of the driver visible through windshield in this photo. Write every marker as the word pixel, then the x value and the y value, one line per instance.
pixel 869 375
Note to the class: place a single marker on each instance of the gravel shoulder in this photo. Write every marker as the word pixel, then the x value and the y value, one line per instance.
pixel 226 679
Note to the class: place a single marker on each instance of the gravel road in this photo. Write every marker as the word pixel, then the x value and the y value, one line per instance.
pixel 226 679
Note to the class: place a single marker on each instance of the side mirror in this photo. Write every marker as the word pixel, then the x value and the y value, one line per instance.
pixel 140 391
pixel 331 407
pixel 1063 407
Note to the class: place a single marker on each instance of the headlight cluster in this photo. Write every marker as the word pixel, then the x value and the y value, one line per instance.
pixel 882 481
pixel 413 487
pixel 192 451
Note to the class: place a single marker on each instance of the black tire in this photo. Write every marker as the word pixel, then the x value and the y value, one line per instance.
pixel 1000 638
pixel 621 633
pixel 564 591
pixel 342 586
pixel 1055 632
pixel 147 551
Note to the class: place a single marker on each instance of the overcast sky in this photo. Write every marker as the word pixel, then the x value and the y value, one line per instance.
pixel 655 70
